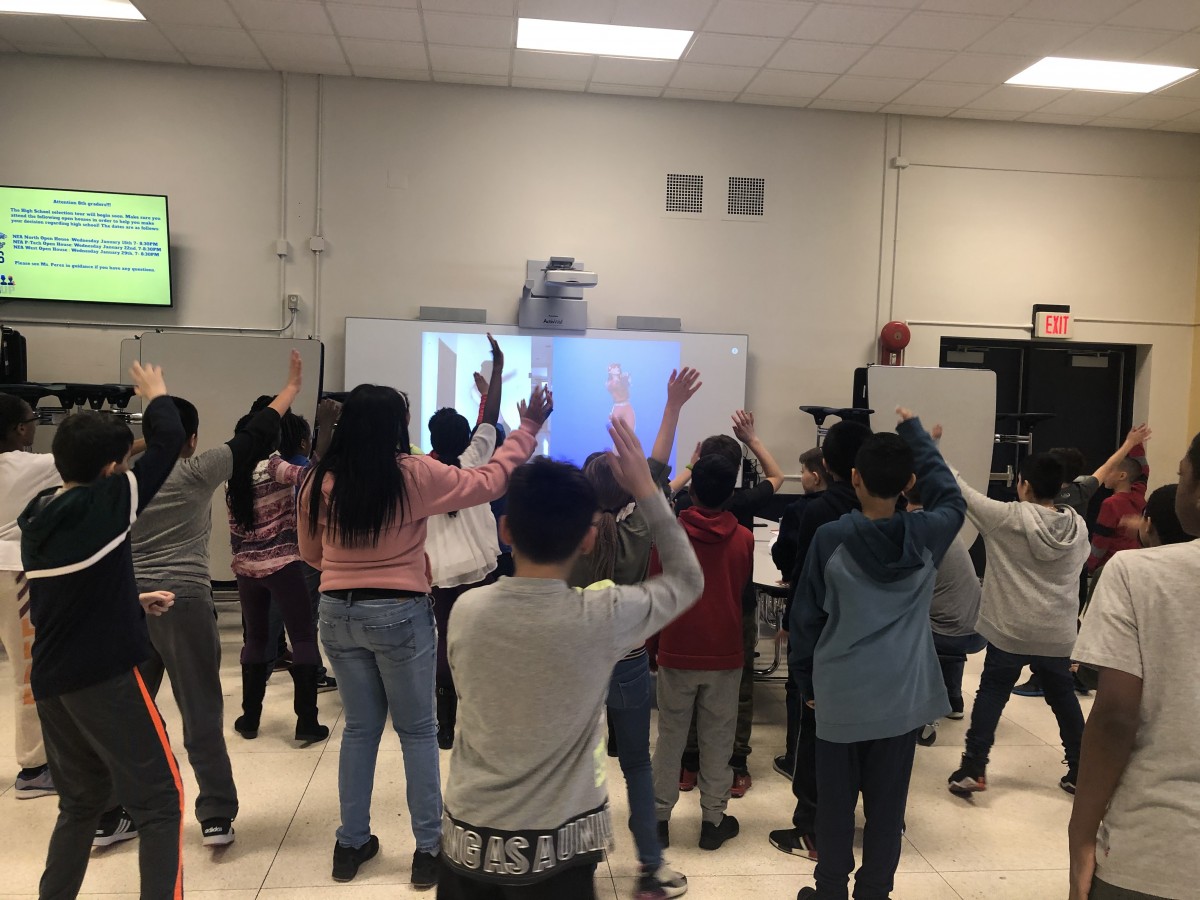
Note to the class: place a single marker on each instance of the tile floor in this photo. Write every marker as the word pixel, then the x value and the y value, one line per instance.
pixel 1007 844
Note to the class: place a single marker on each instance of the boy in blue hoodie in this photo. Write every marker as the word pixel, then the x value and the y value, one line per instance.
pixel 863 653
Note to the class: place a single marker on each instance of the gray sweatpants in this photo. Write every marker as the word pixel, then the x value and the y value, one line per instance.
pixel 714 697
pixel 187 645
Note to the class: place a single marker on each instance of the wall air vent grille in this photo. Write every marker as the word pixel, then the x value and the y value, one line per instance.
pixel 685 193
pixel 747 196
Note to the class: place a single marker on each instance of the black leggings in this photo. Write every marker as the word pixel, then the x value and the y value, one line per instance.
pixel 289 592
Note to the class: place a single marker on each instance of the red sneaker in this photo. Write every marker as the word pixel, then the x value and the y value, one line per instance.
pixel 741 783
pixel 687 779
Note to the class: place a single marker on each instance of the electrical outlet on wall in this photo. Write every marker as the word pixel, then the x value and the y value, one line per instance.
pixel 293 302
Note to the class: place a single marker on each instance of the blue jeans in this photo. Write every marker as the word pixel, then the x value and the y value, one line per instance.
pixel 952 654
pixel 383 653
pixel 629 715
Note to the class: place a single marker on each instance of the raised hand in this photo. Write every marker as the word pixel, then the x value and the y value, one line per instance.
pixel 682 386
pixel 295 370
pixel 628 460
pixel 328 412
pixel 937 432
pixel 1138 435
pixel 695 454
pixel 905 413
pixel 148 381
pixel 497 354
pixel 481 384
pixel 743 427
pixel 539 407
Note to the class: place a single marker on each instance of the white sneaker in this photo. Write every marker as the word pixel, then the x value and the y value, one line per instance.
pixel 661 884
pixel 40 785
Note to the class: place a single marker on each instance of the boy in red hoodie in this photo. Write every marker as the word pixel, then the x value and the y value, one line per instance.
pixel 700 657
pixel 1127 481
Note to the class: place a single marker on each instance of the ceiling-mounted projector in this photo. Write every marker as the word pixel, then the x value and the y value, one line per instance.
pixel 553 294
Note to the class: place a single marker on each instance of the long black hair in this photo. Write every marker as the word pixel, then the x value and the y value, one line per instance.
pixel 450 435
pixel 294 430
pixel 611 498
pixel 368 493
pixel 239 490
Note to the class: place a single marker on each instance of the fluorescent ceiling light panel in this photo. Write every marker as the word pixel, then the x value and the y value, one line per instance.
pixel 1099 75
pixel 88 9
pixel 601 40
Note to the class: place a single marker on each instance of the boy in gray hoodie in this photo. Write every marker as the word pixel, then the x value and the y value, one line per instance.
pixel 1030 607
pixel 863 654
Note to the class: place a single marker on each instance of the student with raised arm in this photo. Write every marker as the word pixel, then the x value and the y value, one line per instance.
pixel 527 804
pixel 1136 820
pixel 364 510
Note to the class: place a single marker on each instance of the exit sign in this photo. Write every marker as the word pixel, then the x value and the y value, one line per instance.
pixel 1053 322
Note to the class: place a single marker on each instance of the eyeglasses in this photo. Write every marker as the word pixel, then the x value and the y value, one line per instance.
pixel 31 420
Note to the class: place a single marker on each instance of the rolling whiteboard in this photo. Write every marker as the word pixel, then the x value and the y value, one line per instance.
pixel 963 401
pixel 593 374
pixel 223 375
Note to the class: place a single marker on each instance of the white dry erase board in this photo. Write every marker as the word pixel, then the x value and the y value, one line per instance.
pixel 963 401
pixel 223 374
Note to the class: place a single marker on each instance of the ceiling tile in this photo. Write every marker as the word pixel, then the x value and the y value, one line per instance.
pixel 846 105
pixel 465 78
pixel 980 7
pixel 1036 38
pixel 128 40
pixel 284 50
pixel 628 90
pixel 1155 107
pixel 774 82
pixel 1180 125
pixel 893 62
pixel 773 19
pixel 1016 98
pixel 1094 11
pixel 552 66
pixel 1173 15
pixel 469 31
pixel 1110 122
pixel 900 109
pixel 998 115
pixel 469 60
pixel 297 16
pixel 936 31
pixel 476 7
pixel 377 23
pixel 688 15
pixel 770 100
pixel 868 90
pixel 214 13
pixel 1115 43
pixel 546 84
pixel 848 24
pixel 40 30
pixel 600 11
pixel 813 56
pixel 1086 103
pixel 227 62
pixel 689 94
pixel 1182 51
pixel 1190 121
pixel 695 77
pixel 391 72
pixel 937 93
pixel 195 40
pixel 651 72
pixel 80 49
pixel 310 67
pixel 731 49
pixel 1055 119
pixel 1189 87
pixel 388 54
pixel 983 68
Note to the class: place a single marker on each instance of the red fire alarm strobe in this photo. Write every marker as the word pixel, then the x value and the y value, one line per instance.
pixel 1052 322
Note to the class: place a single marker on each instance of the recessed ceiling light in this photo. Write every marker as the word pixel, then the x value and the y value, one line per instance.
pixel 1099 75
pixel 89 9
pixel 601 40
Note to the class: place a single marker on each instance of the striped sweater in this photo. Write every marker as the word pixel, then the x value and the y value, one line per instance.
pixel 271 543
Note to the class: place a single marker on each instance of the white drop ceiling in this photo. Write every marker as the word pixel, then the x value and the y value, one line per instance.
pixel 919 57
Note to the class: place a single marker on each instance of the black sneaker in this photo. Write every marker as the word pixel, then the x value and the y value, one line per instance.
pixel 928 735
pixel 969 778
pixel 956 708
pixel 115 826
pixel 789 840
pixel 217 832
pixel 661 884
pixel 664 833
pixel 785 766
pixel 1080 688
pixel 1068 781
pixel 713 836
pixel 346 860
pixel 445 739
pixel 806 893
pixel 1030 688
pixel 424 870
pixel 325 682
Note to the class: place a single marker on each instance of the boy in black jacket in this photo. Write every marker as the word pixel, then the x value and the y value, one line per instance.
pixel 102 730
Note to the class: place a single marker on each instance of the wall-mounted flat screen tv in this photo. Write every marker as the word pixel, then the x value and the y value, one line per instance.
pixel 84 247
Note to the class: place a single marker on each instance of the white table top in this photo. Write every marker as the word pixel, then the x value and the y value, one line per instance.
pixel 766 574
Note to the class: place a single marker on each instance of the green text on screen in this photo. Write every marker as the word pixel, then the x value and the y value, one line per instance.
pixel 79 245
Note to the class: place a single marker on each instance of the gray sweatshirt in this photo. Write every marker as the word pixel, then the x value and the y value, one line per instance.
pixel 532 658
pixel 1031 585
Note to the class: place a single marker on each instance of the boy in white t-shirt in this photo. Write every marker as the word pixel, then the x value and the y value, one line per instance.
pixel 23 476
pixel 1137 802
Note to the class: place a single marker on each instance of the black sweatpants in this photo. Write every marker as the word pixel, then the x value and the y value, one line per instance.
pixel 804 775
pixel 879 770
pixel 104 739
pixel 575 883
